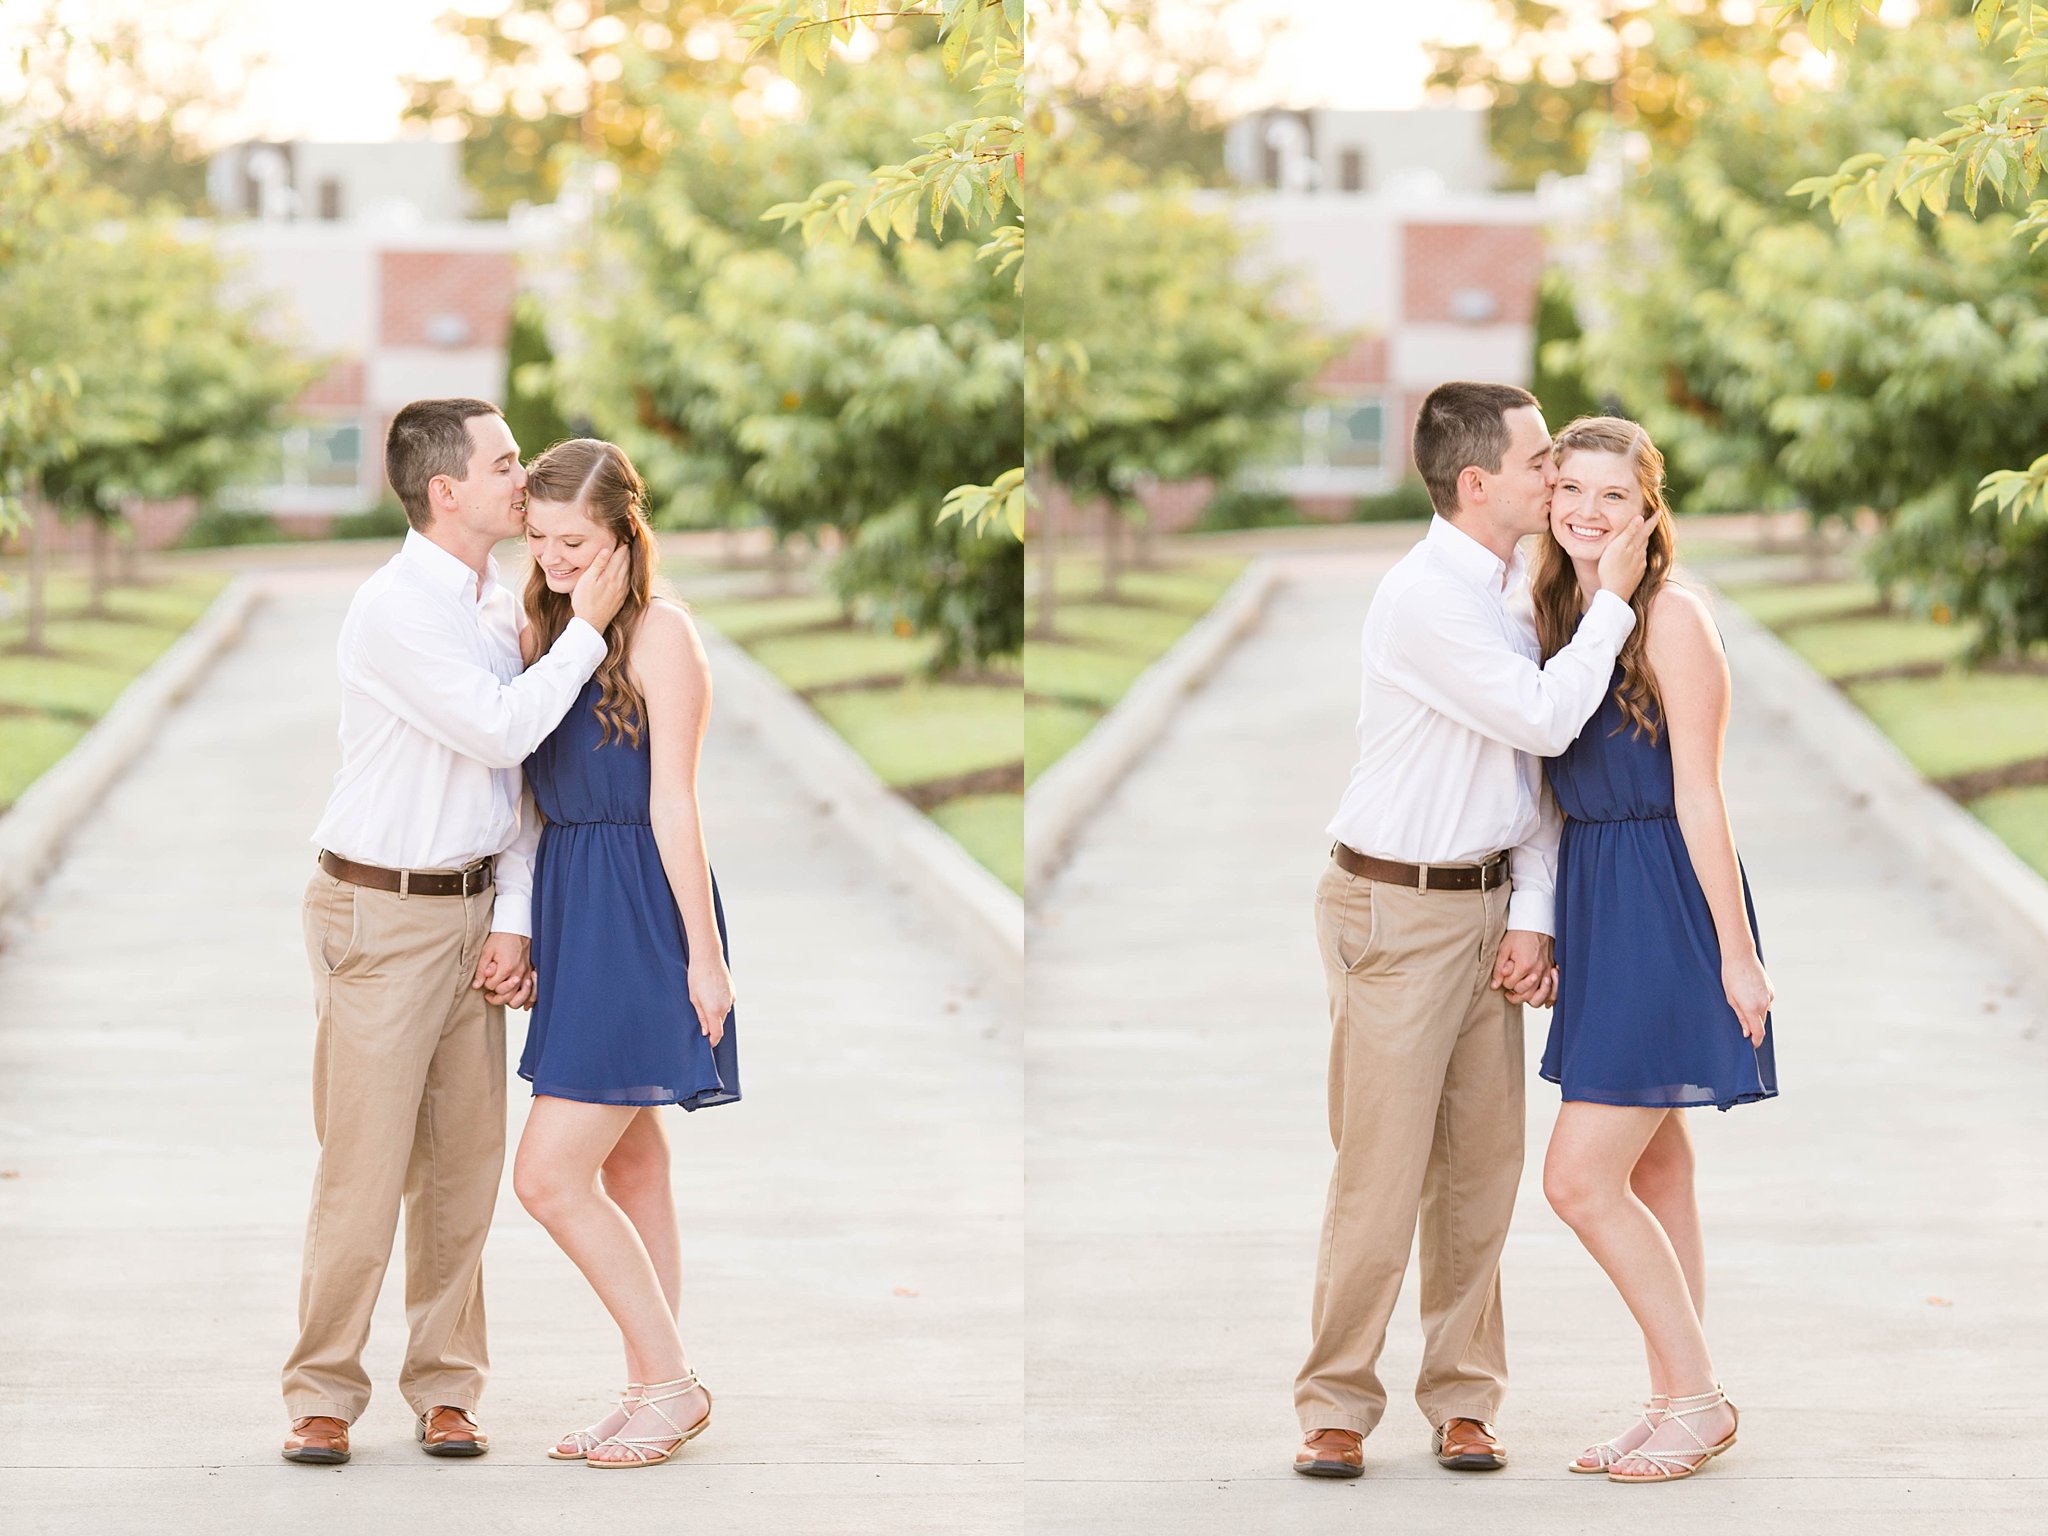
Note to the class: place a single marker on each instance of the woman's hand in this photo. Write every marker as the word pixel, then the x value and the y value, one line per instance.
pixel 1749 993
pixel 711 995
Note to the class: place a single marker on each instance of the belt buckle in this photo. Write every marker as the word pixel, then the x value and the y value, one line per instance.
pixel 1423 884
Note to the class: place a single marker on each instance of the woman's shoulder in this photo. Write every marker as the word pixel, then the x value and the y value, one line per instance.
pixel 666 635
pixel 1682 620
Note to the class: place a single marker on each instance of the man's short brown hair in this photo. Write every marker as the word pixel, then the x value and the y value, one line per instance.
pixel 429 438
pixel 1463 424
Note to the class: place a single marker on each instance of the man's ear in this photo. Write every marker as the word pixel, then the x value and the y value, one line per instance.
pixel 1471 484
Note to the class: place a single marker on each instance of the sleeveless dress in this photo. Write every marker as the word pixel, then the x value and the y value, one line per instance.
pixel 612 1020
pixel 1640 1018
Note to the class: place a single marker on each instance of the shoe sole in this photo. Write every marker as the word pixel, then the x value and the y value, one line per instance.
pixel 1474 1462
pixel 1328 1469
pixel 317 1458
pixel 455 1450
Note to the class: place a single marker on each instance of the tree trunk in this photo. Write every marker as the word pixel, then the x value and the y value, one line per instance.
pixel 1112 549
pixel 781 568
pixel 38 571
pixel 1047 549
pixel 96 562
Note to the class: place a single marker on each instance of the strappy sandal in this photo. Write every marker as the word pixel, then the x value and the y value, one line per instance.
pixel 586 1440
pixel 1607 1451
pixel 1672 1465
pixel 651 1450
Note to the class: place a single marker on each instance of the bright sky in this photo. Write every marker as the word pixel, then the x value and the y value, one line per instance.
pixel 332 72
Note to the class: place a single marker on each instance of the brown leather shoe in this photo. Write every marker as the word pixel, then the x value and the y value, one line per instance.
pixel 317 1439
pixel 450 1432
pixel 1331 1453
pixel 1468 1445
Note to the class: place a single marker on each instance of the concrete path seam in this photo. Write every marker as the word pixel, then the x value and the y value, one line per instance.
pixel 1068 793
pixel 968 901
pixel 2010 895
pixel 34 832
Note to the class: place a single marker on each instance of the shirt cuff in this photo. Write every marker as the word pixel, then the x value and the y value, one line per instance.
pixel 581 643
pixel 1612 615
pixel 1533 912
pixel 512 912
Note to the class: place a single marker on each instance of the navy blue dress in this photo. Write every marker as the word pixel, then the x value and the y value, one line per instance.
pixel 1640 1018
pixel 612 1020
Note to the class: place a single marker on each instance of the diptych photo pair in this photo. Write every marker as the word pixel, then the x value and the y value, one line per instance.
pixel 987 766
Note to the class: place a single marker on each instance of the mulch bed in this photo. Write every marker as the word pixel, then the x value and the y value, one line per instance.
pixel 2028 773
pixel 1002 779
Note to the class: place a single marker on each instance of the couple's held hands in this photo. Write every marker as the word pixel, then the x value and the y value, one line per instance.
pixel 1621 562
pixel 600 591
pixel 1524 968
pixel 1749 993
pixel 711 995
pixel 504 971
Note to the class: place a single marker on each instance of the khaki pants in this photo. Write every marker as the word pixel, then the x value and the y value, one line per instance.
pixel 1426 1078
pixel 409 1104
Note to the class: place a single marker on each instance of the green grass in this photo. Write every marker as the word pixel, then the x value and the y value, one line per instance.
pixel 1098 677
pixel 910 733
pixel 927 730
pixel 991 827
pixel 94 660
pixel 744 618
pixel 1960 721
pixel 1955 722
pixel 1779 605
pixel 1051 731
pixel 1103 647
pixel 2020 818
pixel 1859 645
pixel 838 656
pixel 28 745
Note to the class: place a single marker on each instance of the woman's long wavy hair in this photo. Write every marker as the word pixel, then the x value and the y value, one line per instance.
pixel 598 476
pixel 1554 588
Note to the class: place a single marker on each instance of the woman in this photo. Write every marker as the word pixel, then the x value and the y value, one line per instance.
pixel 634 1001
pixel 1663 1002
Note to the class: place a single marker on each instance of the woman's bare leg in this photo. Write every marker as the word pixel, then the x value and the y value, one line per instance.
pixel 556 1176
pixel 1588 1177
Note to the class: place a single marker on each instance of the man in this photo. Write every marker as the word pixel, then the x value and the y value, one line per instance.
pixel 1434 923
pixel 418 927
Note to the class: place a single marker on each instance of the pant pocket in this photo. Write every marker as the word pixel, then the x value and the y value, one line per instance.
pixel 333 924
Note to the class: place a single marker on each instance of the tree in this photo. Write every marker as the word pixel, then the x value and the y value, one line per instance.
pixel 1781 359
pixel 1557 74
pixel 544 83
pixel 1157 353
pixel 1990 559
pixel 820 389
pixel 125 373
pixel 971 170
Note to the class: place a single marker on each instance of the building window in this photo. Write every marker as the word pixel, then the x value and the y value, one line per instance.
pixel 313 453
pixel 1344 434
pixel 1351 169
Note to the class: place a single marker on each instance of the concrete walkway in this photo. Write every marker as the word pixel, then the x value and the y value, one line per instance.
pixel 1876 1237
pixel 852 1249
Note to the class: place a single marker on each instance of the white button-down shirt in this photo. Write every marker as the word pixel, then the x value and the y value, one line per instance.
pixel 436 718
pixel 1456 711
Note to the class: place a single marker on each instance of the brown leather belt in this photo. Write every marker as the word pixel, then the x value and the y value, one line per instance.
pixel 1424 877
pixel 410 882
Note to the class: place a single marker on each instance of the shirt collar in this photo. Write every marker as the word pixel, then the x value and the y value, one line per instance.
pixel 445 571
pixel 1469 558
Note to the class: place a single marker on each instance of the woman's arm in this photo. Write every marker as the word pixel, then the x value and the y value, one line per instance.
pixel 1692 679
pixel 669 666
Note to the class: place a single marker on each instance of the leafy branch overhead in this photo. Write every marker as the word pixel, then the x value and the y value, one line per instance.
pixel 1995 144
pixel 970 170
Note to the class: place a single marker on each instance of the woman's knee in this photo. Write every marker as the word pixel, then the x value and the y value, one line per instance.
pixel 638 1169
pixel 1573 1192
pixel 1664 1172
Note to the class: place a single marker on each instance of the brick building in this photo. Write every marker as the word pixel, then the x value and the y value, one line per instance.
pixel 1385 226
